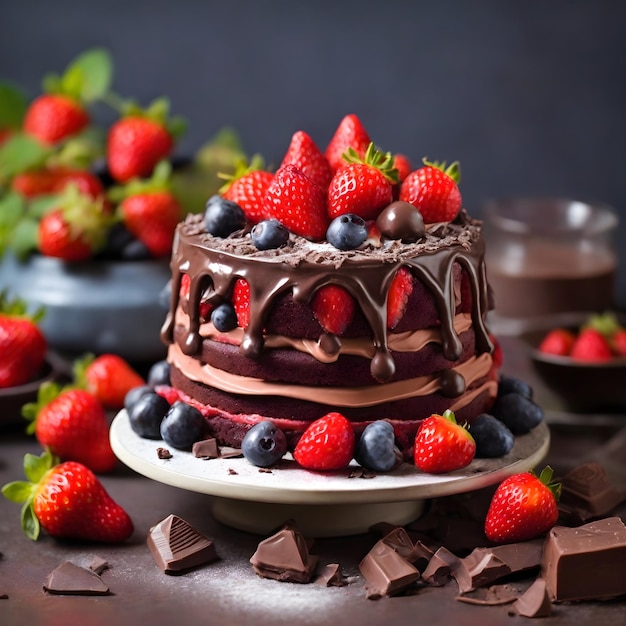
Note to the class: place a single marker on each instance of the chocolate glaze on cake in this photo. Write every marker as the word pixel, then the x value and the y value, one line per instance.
pixel 284 366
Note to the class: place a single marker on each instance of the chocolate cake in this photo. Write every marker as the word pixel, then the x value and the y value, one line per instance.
pixel 281 363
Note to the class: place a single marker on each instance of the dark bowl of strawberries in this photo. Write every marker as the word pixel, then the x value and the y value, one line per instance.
pixel 584 365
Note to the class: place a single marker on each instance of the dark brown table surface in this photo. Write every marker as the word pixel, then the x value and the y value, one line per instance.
pixel 228 591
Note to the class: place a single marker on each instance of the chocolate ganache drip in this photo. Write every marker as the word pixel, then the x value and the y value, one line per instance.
pixel 302 267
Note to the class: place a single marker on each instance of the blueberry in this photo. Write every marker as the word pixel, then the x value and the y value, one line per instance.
pixel 135 250
pixel 224 317
pixel 493 438
pixel 147 413
pixel 223 217
pixel 159 374
pixel 264 444
pixel 508 384
pixel 118 237
pixel 269 234
pixel 182 426
pixel 376 449
pixel 134 394
pixel 520 414
pixel 347 231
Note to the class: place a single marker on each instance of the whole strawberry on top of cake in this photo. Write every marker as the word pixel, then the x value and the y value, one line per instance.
pixel 344 281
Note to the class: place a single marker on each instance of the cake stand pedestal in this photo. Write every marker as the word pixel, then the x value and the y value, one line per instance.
pixel 323 504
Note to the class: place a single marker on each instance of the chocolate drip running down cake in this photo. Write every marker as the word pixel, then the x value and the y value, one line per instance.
pixel 284 366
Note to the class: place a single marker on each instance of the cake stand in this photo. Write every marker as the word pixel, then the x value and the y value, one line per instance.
pixel 323 504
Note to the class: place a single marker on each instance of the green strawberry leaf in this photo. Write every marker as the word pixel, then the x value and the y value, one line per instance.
pixel 17 491
pixel 46 394
pixel 19 153
pixel 13 105
pixel 25 237
pixel 36 466
pixel 88 77
pixel 12 207
pixel 41 205
pixel 30 523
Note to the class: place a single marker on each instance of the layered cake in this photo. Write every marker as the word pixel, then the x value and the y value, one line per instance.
pixel 392 328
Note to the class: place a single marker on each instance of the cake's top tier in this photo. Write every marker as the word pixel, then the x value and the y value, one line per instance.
pixel 301 267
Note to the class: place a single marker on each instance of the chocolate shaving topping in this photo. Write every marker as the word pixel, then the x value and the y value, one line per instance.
pixel 177 547
pixel 205 449
pixel 71 579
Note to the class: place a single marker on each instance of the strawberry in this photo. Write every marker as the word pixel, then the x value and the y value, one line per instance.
pixel 399 292
pixel 327 443
pixel 241 302
pixel 109 377
pixel 364 185
pixel 433 190
pixel 149 210
pixel 442 445
pixel 34 183
pixel 75 227
pixel 295 200
pixel 558 341
pixel 68 501
pixel 524 506
pixel 54 117
pixel 591 346
pixel 349 134
pixel 152 217
pixel 333 308
pixel 140 139
pixel 403 165
pixel 73 424
pixel 22 344
pixel 307 157
pixel 248 187
pixel 497 355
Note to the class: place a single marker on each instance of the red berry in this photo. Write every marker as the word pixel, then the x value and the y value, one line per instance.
pixel 58 239
pixel 333 308
pixel 72 423
pixel 558 342
pixel 591 346
pixel 523 507
pixel 54 117
pixel 403 165
pixel 442 445
pixel 619 342
pixel 67 501
pixel 241 302
pixel 249 191
pixel 22 344
pixel 433 190
pixel 295 200
pixel 307 157
pixel 327 444
pixel 109 377
pixel 349 134
pixel 135 145
pixel 398 296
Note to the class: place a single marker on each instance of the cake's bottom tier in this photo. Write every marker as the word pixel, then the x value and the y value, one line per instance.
pixel 230 415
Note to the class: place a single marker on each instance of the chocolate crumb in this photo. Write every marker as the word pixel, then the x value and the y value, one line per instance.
pixel 232 472
pixel 490 596
pixel 4 596
pixel 265 470
pixel 98 564
pixel 227 452
pixel 205 449
pixel 164 453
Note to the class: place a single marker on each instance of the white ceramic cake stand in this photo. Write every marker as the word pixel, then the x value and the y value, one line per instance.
pixel 323 504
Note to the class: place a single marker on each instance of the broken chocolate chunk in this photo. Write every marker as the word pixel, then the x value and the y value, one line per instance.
pixel 205 449
pixel 331 576
pixel 440 567
pixel 71 579
pixel 285 556
pixel 535 602
pixel 98 564
pixel 415 553
pixel 587 562
pixel 164 453
pixel 387 573
pixel 176 546
pixel 490 596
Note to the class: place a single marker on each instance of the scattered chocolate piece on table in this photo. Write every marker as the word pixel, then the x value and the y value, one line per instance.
pixel 490 596
pixel 386 572
pixel 98 564
pixel 534 602
pixel 176 546
pixel 285 556
pixel 440 567
pixel 331 576
pixel 71 579
pixel 415 553
pixel 164 453
pixel 587 562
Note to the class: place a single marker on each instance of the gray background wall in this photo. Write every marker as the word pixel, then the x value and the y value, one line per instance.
pixel 529 96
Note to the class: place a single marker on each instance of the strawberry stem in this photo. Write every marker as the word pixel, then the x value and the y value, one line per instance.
pixel 545 476
pixel 453 170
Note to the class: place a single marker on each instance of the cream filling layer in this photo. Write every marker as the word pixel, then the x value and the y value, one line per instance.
pixel 408 341
pixel 471 370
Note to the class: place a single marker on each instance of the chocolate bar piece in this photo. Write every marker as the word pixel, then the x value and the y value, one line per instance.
pixel 586 563
pixel 176 546
pixel 331 576
pixel 386 572
pixel 535 601
pixel 415 553
pixel 71 579
pixel 285 556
